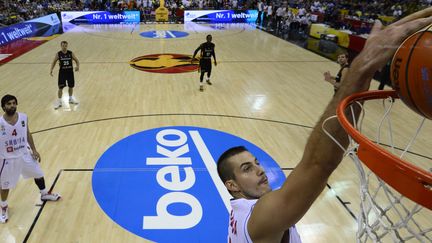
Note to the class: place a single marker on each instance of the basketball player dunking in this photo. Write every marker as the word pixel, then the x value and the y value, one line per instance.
pixel 260 214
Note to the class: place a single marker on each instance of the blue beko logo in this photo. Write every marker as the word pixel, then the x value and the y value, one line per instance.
pixel 164 34
pixel 162 184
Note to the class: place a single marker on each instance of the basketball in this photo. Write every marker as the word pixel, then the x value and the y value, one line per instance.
pixel 411 72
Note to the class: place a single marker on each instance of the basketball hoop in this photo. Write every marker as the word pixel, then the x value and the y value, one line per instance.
pixel 396 195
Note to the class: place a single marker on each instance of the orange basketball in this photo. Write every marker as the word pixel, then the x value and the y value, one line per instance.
pixel 411 72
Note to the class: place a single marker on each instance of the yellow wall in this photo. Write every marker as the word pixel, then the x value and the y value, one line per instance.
pixel 318 29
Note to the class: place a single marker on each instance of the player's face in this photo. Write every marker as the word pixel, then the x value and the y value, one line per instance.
pixel 250 177
pixel 64 46
pixel 10 107
pixel 342 59
pixel 209 38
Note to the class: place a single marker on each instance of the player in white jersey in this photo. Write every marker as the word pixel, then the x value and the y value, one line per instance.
pixel 262 215
pixel 239 217
pixel 18 155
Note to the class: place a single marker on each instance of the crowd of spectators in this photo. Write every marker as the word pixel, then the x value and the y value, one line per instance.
pixel 15 11
pixel 353 16
pixel 277 14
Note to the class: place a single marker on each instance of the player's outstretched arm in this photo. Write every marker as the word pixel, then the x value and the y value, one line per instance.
pixel 195 52
pixel 53 64
pixel 214 57
pixel 76 61
pixel 276 211
pixel 35 153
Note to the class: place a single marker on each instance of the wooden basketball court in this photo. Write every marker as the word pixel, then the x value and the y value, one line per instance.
pixel 265 90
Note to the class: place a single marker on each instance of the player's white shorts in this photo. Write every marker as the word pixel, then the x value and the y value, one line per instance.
pixel 11 169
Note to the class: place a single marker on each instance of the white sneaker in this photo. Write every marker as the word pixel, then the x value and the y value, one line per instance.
pixel 50 197
pixel 72 100
pixel 4 215
pixel 57 104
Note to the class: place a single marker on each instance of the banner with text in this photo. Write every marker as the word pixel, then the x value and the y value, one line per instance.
pixel 42 26
pixel 221 16
pixel 100 17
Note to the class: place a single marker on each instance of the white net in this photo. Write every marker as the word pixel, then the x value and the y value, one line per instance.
pixel 385 215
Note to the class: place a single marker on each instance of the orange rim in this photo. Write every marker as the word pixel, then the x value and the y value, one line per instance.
pixel 406 178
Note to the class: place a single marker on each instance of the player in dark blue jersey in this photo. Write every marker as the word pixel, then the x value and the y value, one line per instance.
pixel 207 51
pixel 344 67
pixel 66 75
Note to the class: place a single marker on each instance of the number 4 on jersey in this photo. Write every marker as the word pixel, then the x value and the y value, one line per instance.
pixel 14 133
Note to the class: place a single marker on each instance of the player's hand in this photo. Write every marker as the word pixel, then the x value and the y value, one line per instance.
pixel 383 42
pixel 327 76
pixel 36 156
pixel 51 73
pixel 76 69
pixel 215 63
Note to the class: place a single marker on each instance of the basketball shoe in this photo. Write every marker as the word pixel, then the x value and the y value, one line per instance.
pixel 50 196
pixel 72 100
pixel 4 215
pixel 57 104
pixel 208 82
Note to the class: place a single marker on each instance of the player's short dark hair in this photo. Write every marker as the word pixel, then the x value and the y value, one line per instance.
pixel 345 54
pixel 208 36
pixel 63 42
pixel 8 98
pixel 224 169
